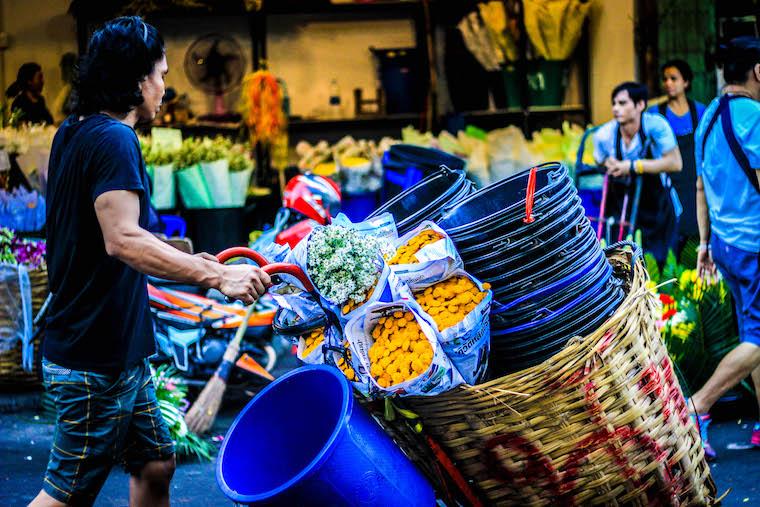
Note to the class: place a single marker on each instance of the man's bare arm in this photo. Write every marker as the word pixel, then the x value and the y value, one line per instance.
pixel 118 213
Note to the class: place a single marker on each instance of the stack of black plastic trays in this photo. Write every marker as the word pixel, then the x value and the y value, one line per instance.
pixel 426 199
pixel 550 277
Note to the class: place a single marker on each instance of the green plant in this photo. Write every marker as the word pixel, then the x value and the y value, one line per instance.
pixel 697 322
pixel 171 392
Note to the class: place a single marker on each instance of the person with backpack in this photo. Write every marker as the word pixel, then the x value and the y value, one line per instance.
pixel 638 151
pixel 683 115
pixel 728 213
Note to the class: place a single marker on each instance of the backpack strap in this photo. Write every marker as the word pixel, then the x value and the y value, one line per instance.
pixel 693 114
pixel 724 112
pixel 663 109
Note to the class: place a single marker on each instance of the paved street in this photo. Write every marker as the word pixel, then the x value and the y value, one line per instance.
pixel 26 436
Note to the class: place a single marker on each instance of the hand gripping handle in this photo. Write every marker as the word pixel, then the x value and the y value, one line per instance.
pixel 289 269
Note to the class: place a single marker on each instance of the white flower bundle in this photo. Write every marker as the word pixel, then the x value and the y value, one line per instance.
pixel 343 263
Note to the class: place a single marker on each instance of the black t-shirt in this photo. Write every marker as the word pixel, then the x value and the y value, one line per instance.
pixel 33 112
pixel 99 319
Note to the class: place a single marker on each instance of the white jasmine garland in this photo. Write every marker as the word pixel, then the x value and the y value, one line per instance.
pixel 343 263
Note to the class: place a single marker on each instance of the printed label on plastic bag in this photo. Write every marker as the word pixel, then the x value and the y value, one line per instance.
pixel 435 261
pixel 346 360
pixel 440 374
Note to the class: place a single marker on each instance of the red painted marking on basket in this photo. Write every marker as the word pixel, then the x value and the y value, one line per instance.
pixel 529 196
pixel 614 443
pixel 540 470
pixel 651 383
pixel 538 466
pixel 593 407
pixel 605 342
pixel 574 379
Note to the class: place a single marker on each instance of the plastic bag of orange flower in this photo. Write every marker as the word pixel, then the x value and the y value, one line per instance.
pixel 398 345
pixel 313 346
pixel 424 255
pixel 343 358
pixel 459 307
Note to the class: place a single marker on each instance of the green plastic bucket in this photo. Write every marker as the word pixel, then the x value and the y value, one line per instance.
pixel 547 80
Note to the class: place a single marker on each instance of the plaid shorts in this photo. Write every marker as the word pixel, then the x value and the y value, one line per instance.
pixel 101 419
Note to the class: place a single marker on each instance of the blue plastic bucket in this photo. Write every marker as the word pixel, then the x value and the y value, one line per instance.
pixel 358 206
pixel 303 440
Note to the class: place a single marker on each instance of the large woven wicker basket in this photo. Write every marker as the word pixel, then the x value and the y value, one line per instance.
pixel 603 422
pixel 12 374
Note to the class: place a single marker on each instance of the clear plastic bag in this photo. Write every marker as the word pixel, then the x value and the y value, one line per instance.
pixel 439 376
pixel 16 312
pixel 435 261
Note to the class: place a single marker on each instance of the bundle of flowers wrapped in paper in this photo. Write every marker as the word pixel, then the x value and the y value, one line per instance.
pixel 211 173
pixel 696 321
pixel 345 266
pixel 171 392
pixel 394 337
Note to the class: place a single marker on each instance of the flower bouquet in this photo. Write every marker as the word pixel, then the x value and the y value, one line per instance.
pixel 697 321
pixel 241 168
pixel 159 163
pixel 192 183
pixel 171 392
pixel 216 170
pixel 344 264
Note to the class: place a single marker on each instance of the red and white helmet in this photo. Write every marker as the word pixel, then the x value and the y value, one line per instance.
pixel 315 197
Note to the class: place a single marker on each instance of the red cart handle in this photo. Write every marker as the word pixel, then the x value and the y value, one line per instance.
pixel 270 269
pixel 240 251
pixel 289 269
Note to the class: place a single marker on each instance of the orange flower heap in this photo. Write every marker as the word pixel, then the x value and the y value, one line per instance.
pixel 449 301
pixel 401 350
pixel 313 340
pixel 405 254
pixel 344 365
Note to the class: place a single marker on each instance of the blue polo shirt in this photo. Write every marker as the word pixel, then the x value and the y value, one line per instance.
pixel 733 203
pixel 658 133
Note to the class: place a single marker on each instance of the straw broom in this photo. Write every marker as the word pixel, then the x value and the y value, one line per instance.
pixel 202 414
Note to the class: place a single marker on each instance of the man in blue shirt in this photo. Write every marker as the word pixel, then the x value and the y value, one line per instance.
pixel 683 115
pixel 640 145
pixel 728 211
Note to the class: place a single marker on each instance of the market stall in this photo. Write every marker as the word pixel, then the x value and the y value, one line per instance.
pixel 448 302
pixel 504 382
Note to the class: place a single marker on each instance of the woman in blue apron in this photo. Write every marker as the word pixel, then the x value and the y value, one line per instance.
pixel 683 115
pixel 638 149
